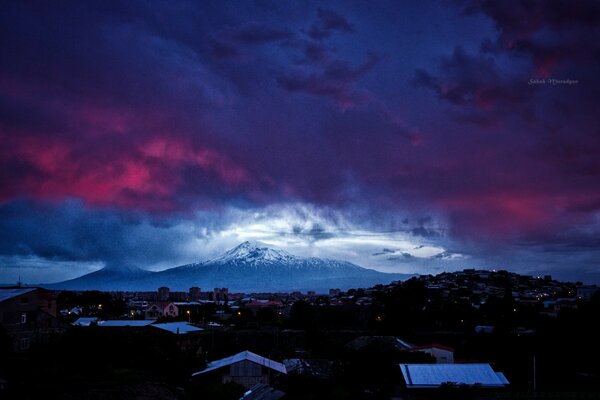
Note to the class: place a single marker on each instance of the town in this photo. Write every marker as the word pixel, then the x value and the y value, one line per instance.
pixel 469 334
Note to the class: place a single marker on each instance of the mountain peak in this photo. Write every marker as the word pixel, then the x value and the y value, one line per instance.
pixel 252 250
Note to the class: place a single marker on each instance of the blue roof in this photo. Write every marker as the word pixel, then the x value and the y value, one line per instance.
pixel 178 327
pixel 124 322
pixel 435 375
pixel 85 321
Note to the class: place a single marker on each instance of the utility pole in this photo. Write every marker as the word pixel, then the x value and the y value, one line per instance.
pixel 534 377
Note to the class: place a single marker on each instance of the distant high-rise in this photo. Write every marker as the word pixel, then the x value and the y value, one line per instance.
pixel 195 293
pixel 163 293
pixel 220 293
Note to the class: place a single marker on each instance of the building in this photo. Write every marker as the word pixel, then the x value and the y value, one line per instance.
pixel 442 354
pixel 177 328
pixel 28 315
pixel 275 305
pixel 220 294
pixel 163 294
pixel 195 293
pixel 85 321
pixel 245 368
pixel 382 342
pixel 162 309
pixel 434 376
pixel 586 292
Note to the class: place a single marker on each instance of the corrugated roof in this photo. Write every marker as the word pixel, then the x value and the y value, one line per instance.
pixel 502 378
pixel 6 294
pixel 244 355
pixel 434 375
pixel 178 327
pixel 123 322
pixel 84 321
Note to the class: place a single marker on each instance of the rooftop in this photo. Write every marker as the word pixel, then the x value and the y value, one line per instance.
pixel 244 355
pixel 124 322
pixel 435 375
pixel 180 327
pixel 6 294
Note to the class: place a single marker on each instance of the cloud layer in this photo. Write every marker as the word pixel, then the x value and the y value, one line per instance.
pixel 475 122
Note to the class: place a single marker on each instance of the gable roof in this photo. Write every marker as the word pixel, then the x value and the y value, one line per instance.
pixel 6 294
pixel 179 327
pixel 435 375
pixel 432 346
pixel 244 355
pixel 161 304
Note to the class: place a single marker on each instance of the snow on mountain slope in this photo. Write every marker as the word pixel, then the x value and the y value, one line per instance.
pixel 249 267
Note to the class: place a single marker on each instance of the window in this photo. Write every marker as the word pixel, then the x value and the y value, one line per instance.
pixel 171 308
pixel 24 343
pixel 23 318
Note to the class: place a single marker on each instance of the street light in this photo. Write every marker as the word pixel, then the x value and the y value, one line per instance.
pixel 189 316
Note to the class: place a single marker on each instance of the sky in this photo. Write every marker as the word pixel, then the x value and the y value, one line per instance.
pixel 412 137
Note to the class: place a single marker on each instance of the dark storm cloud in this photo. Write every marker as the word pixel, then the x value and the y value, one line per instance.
pixel 335 80
pixel 228 43
pixel 550 33
pixel 162 110
pixel 70 232
pixel 472 80
pixel 328 22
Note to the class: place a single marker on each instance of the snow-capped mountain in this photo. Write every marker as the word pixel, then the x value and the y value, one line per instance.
pixel 248 267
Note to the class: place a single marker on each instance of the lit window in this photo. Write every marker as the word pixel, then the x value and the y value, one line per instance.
pixel 23 318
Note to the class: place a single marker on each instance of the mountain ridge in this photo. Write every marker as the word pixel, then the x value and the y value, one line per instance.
pixel 249 267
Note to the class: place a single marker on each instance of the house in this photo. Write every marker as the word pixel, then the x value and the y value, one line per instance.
pixel 245 368
pixel 442 354
pixel 587 292
pixel 255 305
pixel 433 376
pixel 314 368
pixel 28 316
pixel 384 342
pixel 162 309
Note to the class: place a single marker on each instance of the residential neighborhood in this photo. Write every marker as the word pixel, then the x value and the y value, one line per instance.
pixel 473 333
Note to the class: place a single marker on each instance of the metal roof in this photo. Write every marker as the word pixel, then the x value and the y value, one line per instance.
pixel 6 294
pixel 124 322
pixel 85 321
pixel 178 327
pixel 434 375
pixel 244 355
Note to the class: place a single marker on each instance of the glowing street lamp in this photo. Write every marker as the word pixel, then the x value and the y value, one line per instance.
pixel 189 316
